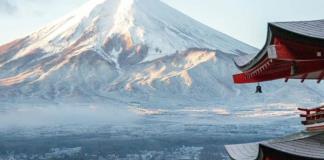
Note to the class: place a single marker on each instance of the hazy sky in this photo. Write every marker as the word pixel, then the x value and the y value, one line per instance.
pixel 242 19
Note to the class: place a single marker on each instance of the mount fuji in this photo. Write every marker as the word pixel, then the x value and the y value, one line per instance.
pixel 132 51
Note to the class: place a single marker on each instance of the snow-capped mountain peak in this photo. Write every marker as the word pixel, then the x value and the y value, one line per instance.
pixel 122 50
pixel 136 22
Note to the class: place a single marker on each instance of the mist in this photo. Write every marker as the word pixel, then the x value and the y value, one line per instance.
pixel 90 115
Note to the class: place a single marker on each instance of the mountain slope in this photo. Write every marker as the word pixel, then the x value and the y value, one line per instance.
pixel 127 51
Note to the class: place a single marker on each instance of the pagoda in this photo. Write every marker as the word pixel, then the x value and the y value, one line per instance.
pixel 293 50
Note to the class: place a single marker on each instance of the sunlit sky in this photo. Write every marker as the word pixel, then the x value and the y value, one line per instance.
pixel 245 20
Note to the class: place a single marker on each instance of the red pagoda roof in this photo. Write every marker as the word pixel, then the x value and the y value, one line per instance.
pixel 293 50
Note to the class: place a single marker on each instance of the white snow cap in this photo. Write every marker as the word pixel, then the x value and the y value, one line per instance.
pixel 149 22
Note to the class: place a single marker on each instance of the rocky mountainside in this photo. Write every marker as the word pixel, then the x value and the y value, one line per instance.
pixel 131 51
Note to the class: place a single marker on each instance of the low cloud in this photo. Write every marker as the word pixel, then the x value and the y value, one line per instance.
pixel 8 7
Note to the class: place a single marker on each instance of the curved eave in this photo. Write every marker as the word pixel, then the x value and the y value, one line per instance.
pixel 261 54
pixel 276 30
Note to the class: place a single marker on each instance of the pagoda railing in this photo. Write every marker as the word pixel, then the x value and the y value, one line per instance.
pixel 314 118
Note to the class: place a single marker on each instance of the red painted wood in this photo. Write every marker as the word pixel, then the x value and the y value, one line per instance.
pixel 292 50
pixel 320 77
pixel 280 70
pixel 288 51
pixel 313 116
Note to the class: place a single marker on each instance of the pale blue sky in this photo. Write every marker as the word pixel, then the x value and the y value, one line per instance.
pixel 242 19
